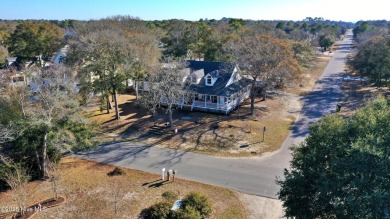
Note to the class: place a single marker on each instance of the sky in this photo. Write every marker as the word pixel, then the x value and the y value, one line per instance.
pixel 344 10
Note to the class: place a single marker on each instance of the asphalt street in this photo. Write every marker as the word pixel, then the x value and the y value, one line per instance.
pixel 255 175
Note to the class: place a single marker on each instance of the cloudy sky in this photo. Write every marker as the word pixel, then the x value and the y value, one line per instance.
pixel 345 10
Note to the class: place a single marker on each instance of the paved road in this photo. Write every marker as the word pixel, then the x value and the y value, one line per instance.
pixel 250 175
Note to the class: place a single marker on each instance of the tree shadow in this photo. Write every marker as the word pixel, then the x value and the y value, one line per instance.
pixel 318 103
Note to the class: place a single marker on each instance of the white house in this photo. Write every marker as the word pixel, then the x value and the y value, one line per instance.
pixel 214 87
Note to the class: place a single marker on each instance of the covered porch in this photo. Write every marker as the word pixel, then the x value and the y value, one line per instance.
pixel 220 104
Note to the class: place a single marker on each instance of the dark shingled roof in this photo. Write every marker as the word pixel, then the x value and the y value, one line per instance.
pixel 225 71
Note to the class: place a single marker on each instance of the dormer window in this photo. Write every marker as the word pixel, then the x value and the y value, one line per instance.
pixel 209 80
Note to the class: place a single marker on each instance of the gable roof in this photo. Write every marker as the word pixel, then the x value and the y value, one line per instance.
pixel 225 71
pixel 214 74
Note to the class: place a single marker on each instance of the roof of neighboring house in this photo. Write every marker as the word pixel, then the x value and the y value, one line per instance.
pixel 225 71
pixel 11 59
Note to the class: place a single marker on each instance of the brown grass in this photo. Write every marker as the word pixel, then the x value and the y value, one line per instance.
pixel 310 76
pixel 90 193
pixel 232 135
pixel 357 93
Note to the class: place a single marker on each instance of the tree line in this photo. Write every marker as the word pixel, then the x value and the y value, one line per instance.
pixel 373 57
pixel 341 169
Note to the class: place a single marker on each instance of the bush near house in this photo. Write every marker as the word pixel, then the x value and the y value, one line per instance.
pixel 195 206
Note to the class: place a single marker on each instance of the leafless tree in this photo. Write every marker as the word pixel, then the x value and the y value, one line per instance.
pixel 54 176
pixel 6 134
pixel 117 189
pixel 51 100
pixel 16 177
pixel 259 57
pixel 167 88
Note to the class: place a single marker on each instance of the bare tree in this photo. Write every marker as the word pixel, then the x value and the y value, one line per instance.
pixel 51 100
pixel 168 89
pixel 259 57
pixel 54 176
pixel 117 188
pixel 6 134
pixel 16 176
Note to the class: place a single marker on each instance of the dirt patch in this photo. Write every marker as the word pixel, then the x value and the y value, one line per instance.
pixel 260 207
pixel 91 193
pixel 356 92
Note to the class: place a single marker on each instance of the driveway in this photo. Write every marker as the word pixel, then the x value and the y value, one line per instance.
pixel 254 175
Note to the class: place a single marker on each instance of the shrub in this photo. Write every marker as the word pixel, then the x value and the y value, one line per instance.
pixel 199 202
pixel 161 210
pixel 188 212
pixel 116 172
pixel 169 196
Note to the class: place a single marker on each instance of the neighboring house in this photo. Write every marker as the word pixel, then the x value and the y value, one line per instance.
pixel 213 86
pixel 12 77
pixel 17 80
pixel 60 56
pixel 10 62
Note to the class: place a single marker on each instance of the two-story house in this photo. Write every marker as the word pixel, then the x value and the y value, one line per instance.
pixel 213 86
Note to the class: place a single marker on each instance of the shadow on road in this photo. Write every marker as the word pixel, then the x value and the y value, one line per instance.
pixel 126 152
pixel 319 102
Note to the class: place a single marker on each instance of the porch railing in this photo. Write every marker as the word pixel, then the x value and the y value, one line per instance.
pixel 208 105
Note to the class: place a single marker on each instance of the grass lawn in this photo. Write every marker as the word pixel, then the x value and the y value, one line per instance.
pixel 236 134
pixel 90 193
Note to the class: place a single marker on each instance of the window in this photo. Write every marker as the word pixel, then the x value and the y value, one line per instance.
pixel 214 99
pixel 208 80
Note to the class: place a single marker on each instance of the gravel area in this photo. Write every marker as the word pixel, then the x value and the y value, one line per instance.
pixel 260 207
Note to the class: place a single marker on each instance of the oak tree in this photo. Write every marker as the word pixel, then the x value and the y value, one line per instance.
pixel 341 169
pixel 35 40
pixel 373 59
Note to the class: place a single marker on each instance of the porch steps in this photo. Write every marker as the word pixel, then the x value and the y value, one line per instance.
pixel 157 130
